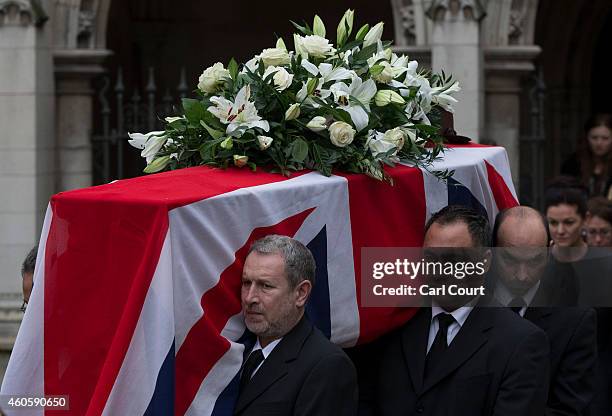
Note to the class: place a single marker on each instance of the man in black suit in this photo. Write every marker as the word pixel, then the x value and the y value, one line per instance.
pixel 518 268
pixel 459 357
pixel 292 369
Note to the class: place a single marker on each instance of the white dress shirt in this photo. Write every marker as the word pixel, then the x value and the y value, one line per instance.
pixel 266 351
pixel 505 297
pixel 460 314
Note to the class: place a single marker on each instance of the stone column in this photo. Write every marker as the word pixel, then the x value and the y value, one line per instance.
pixel 27 135
pixel 455 48
pixel 74 70
pixel 506 68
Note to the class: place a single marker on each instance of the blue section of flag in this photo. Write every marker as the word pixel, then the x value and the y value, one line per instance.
pixel 318 308
pixel 162 402
pixel 459 194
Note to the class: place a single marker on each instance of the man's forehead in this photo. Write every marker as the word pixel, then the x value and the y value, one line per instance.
pixel 264 264
pixel 455 234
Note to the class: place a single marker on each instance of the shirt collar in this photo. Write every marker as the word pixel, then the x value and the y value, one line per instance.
pixel 268 348
pixel 504 296
pixel 460 314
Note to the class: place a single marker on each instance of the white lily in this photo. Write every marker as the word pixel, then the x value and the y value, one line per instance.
pixel 442 96
pixel 378 145
pixel 327 71
pixel 239 114
pixel 319 92
pixel 355 99
pixel 150 143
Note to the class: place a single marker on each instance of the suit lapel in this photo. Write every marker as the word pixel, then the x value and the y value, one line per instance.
pixel 414 346
pixel 538 316
pixel 276 365
pixel 471 337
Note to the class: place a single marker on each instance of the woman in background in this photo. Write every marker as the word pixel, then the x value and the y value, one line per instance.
pixel 592 163
pixel 599 222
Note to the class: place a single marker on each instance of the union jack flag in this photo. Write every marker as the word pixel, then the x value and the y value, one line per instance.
pixel 136 307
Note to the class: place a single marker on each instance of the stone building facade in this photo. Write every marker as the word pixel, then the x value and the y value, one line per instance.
pixel 530 72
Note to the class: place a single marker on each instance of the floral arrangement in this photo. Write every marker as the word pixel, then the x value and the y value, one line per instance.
pixel 354 106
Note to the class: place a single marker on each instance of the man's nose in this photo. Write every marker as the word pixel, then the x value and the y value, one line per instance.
pixel 251 294
pixel 522 273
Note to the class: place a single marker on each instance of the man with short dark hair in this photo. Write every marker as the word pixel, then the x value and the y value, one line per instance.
pixel 27 275
pixel 519 266
pixel 292 369
pixel 463 359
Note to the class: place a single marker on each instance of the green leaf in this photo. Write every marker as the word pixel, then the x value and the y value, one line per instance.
pixel 194 110
pixel 300 150
pixel 157 164
pixel 366 52
pixel 304 29
pixel 232 67
pixel 215 134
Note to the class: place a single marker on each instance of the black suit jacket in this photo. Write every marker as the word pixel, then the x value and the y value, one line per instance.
pixel 497 364
pixel 573 356
pixel 304 375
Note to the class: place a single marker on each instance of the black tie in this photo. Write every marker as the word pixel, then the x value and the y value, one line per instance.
pixel 516 305
pixel 251 364
pixel 439 346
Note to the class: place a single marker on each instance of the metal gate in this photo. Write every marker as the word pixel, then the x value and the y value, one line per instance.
pixel 123 110
pixel 532 146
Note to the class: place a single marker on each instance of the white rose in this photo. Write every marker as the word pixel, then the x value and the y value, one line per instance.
pixel 212 78
pixel 282 79
pixel 275 57
pixel 316 46
pixel 395 136
pixel 292 112
pixel 318 123
pixel 341 134
pixel 264 142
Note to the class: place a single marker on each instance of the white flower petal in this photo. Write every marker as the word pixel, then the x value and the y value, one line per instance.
pixel 310 67
pixel 359 116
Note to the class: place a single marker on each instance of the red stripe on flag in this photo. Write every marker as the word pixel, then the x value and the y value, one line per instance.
pixel 179 187
pixel 503 197
pixel 204 345
pixel 103 247
pixel 385 216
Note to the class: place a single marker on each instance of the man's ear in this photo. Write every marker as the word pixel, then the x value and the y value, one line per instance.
pixel 302 291
pixel 486 259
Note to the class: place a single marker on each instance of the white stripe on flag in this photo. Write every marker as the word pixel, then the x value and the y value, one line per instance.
pixel 471 172
pixel 149 346
pixel 25 374
pixel 436 194
pixel 222 373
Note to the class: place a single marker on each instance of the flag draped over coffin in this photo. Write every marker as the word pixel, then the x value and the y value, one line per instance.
pixel 136 309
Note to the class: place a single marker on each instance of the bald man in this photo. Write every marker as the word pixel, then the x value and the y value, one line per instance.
pixel 519 268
